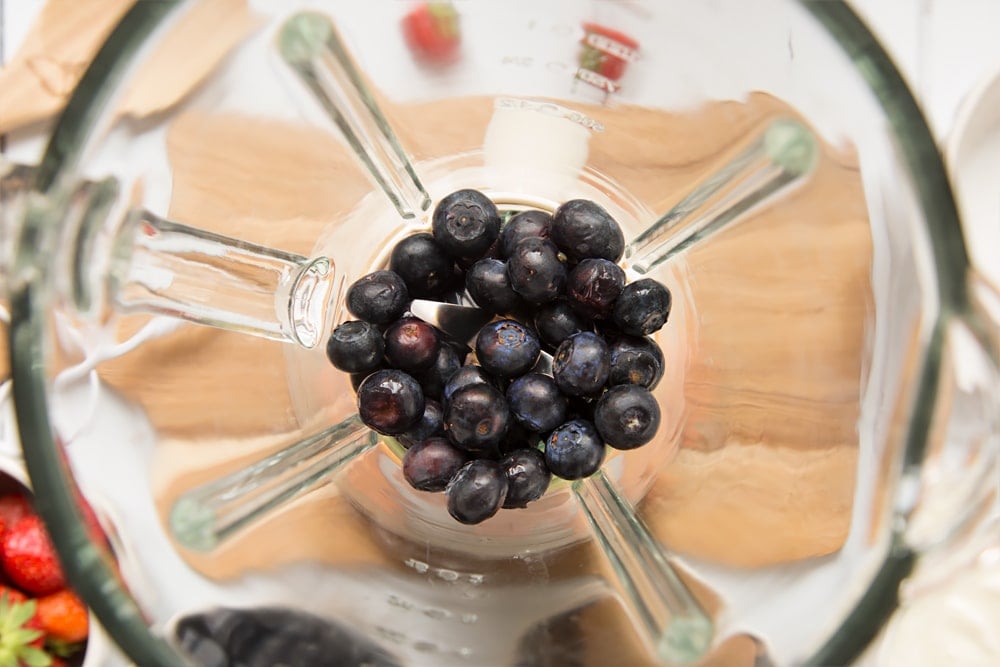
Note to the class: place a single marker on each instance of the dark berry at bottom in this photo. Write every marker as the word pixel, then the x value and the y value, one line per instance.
pixel 411 344
pixel 390 401
pixel 642 308
pixel 581 364
pixel 423 265
pixel 627 416
pixel 378 297
pixel 355 347
pixel 477 491
pixel 574 450
pixel 430 464
pixel 527 477
pixel 476 417
pixel 431 424
pixel 635 360
pixel 507 348
pixel 536 402
pixel 556 321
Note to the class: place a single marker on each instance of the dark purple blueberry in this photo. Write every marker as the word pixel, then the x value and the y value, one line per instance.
pixel 390 401
pixel 465 223
pixel 593 285
pixel 430 464
pixel 411 344
pixel 476 417
pixel 355 347
pixel 431 424
pixel 424 266
pixel 535 271
pixel 635 360
pixel 642 308
pixel 536 402
pixel 581 364
pixel 463 377
pixel 446 364
pixel 574 450
pixel 519 437
pixel 488 284
pixel 556 321
pixel 582 229
pixel 527 224
pixel 578 407
pixel 527 477
pixel 477 491
pixel 627 416
pixel 507 348
pixel 378 297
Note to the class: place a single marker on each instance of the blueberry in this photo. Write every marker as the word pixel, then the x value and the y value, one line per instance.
pixel 476 417
pixel 535 271
pixel 627 416
pixel 583 229
pixel 411 344
pixel 533 223
pixel 355 347
pixel 446 364
pixel 556 321
pixel 477 491
pixel 635 360
pixel 378 297
pixel 430 464
pixel 593 285
pixel 390 401
pixel 518 437
pixel 581 364
pixel 527 477
pixel 465 223
pixel 465 376
pixel 536 402
pixel 507 348
pixel 430 424
pixel 574 450
pixel 488 284
pixel 423 265
pixel 642 308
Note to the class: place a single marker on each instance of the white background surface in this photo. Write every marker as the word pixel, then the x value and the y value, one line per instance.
pixel 945 48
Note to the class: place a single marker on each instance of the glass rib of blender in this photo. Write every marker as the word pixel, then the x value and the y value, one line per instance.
pixel 674 625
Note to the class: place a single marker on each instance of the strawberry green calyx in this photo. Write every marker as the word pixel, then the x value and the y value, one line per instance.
pixel 17 638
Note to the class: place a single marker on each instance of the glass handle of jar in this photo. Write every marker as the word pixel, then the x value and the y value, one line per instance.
pixel 204 516
pixel 310 45
pixel 673 623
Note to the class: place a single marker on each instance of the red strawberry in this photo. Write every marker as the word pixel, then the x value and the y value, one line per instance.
pixel 20 638
pixel 13 508
pixel 29 559
pixel 63 616
pixel 431 31
pixel 606 51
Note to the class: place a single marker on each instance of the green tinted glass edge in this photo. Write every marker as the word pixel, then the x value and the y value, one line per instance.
pixel 89 570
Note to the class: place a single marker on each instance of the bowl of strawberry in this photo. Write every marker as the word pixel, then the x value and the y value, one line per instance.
pixel 43 623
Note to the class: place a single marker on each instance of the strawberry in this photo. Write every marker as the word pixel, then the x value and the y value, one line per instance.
pixel 13 508
pixel 63 616
pixel 606 52
pixel 431 31
pixel 29 559
pixel 20 639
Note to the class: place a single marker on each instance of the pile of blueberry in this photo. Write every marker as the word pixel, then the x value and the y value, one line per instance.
pixel 490 426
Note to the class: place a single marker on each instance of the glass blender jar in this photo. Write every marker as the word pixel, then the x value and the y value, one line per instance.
pixel 831 386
